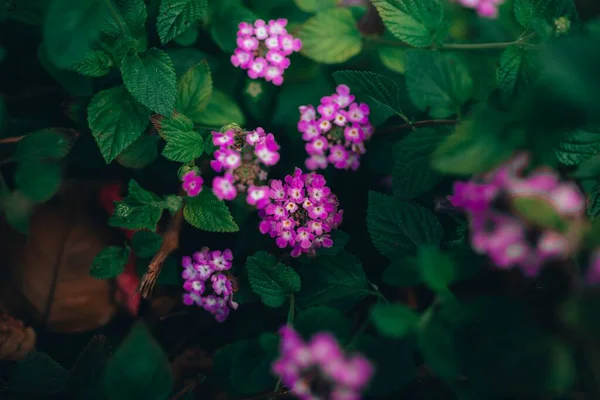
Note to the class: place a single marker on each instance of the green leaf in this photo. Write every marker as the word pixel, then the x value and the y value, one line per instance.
pixel 38 180
pixel 47 144
pixel 382 93
pixel 151 79
pixel 437 269
pixel 183 144
pixel 17 208
pixel 538 211
pixel 31 12
pixel 272 281
pixel 438 344
pixel 340 240
pixel 140 153
pixel 394 320
pixel 96 63
pixel 516 70
pixel 526 11
pixel 176 16
pixel 402 273
pixel 188 37
pixel 110 262
pixel 323 319
pixel 85 378
pixel 417 22
pixel 578 146
pixel 312 6
pixel 439 83
pixel 333 280
pixel 74 83
pixel 208 213
pixel 412 174
pixel 139 369
pixel 194 91
pixel 116 120
pixel 141 209
pixel 39 375
pixel 221 110
pixel 145 244
pixel 173 203
pixel 392 57
pixel 226 16
pixel 330 37
pixel 71 27
pixel 399 228
pixel 133 13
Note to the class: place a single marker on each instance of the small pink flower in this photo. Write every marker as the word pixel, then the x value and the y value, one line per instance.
pixel 192 183
pixel 307 113
pixel 278 60
pixel 258 196
pixel 354 134
pixel 328 110
pixel 222 139
pixel 231 159
pixel 242 58
pixel 266 151
pixel 277 27
pixel 343 97
pixel 324 125
pixel 274 74
pixel 358 113
pixel 257 68
pixel 255 136
pixel 223 187
pixel 289 44
pixel 245 29
pixel 247 43
pixel 317 146
pixel 315 162
pixel 272 43
pixel 260 29
pixel 310 129
pixel 285 238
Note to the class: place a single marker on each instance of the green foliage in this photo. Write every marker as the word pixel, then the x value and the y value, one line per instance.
pixel 110 262
pixel 38 180
pixel 183 144
pixel 221 110
pixel 226 16
pixel 323 319
pixel 208 213
pixel 392 57
pixel 141 209
pixel 330 37
pixel 394 320
pixel 95 64
pixel 145 244
pixel 47 144
pixel 516 71
pixel 194 91
pixel 17 208
pixel 578 146
pixel 139 369
pixel 402 273
pixel 85 377
pixel 437 270
pixel 140 153
pixel 315 5
pixel 527 11
pixel 176 16
pixel 272 281
pixel 38 374
pixel 420 23
pixel 132 12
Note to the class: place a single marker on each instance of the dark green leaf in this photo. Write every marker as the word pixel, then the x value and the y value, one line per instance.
pixel 110 262
pixel 438 344
pixel 208 213
pixel 47 144
pixel 402 273
pixel 272 281
pixel 139 369
pixel 141 209
pixel 437 269
pixel 38 180
pixel 226 16
pixel 188 37
pixel 39 375
pixel 176 16
pixel 394 320
pixel 85 378
pixel 173 203
pixel 134 15
pixel 221 110
pixel 515 72
pixel 340 240
pixel 527 11
pixel 140 153
pixel 145 244
pixel 95 63
pixel 74 83
pixel 323 319
pixel 392 57
pixel 315 5
pixel 183 144
pixel 17 209
pixel 578 146
pixel 151 79
pixel 194 91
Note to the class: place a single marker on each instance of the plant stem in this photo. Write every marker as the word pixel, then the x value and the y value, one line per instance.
pixel 13 139
pixel 117 17
pixel 290 321
pixel 459 46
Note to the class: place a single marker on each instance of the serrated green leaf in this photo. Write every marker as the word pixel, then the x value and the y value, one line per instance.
pixel 227 14
pixel 330 37
pixel 439 83
pixel 145 244
pixel 38 180
pixel 399 228
pixel 208 213
pixel 139 369
pixel 333 280
pixel 412 174
pixel 578 146
pixel 176 16
pixel 96 63
pixel 70 29
pixel 116 120
pixel 140 209
pixel 515 72
pixel 394 320
pixel 169 127
pixel 85 377
pixel 183 144
pixel 382 93
pixel 133 13
pixel 392 57
pixel 110 262
pixel 173 203
pixel 417 22
pixel 140 153
pixel 526 11
pixel 221 110
pixel 47 144
pixel 188 37
pixel 39 375
pixel 323 319
pixel 340 240
pixel 151 79
pixel 194 91
pixel 272 281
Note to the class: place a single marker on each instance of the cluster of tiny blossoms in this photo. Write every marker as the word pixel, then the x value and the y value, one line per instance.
pixel 192 183
pixel 206 268
pixel 240 155
pixel 263 49
pixel 507 239
pixel 336 131
pixel 300 212
pixel 485 8
pixel 319 369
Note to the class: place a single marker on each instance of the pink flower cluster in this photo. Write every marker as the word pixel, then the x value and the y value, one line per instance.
pixel 319 369
pixel 240 155
pixel 192 183
pixel 336 131
pixel 507 239
pixel 206 268
pixel 300 213
pixel 263 49
pixel 485 8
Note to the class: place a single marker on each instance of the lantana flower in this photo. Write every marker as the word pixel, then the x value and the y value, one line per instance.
pixel 241 156
pixel 192 183
pixel 336 132
pixel 300 213
pixel 498 231
pixel 319 369
pixel 204 273
pixel 485 8
pixel 263 49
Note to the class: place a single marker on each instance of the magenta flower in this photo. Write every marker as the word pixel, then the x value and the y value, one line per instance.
pixel 505 238
pixel 192 183
pixel 336 131
pixel 485 8
pixel 263 49
pixel 319 369
pixel 240 155
pixel 197 271
pixel 300 213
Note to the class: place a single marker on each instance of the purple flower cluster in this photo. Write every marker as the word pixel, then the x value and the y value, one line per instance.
pixel 319 369
pixel 485 8
pixel 507 239
pixel 206 268
pixel 336 131
pixel 300 213
pixel 192 183
pixel 240 155
pixel 263 49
